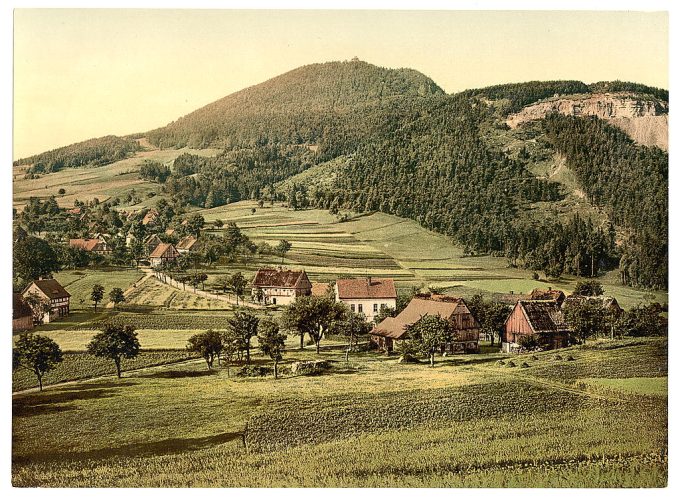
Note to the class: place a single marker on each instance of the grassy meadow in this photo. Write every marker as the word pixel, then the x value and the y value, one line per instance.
pixel 370 422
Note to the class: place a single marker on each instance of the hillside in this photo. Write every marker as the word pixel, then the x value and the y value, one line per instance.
pixel 305 105
pixel 491 168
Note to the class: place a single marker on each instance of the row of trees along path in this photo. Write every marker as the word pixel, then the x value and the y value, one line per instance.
pixel 165 278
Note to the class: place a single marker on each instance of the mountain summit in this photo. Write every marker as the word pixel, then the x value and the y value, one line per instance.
pixel 275 109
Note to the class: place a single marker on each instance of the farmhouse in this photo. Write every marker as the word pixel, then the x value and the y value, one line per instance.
pixel 464 326
pixel 151 242
pixel 280 286
pixel 50 291
pixel 22 316
pixel 366 295
pixel 150 217
pixel 187 244
pixel 162 254
pixel 94 245
pixel 540 320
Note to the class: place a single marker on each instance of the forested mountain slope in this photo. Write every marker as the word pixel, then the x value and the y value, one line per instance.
pixel 354 136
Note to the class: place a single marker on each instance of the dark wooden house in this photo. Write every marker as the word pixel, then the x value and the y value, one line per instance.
pixel 541 320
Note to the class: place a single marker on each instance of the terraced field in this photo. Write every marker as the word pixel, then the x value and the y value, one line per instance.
pixel 102 182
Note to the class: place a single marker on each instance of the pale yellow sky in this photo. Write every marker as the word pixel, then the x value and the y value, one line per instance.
pixel 80 74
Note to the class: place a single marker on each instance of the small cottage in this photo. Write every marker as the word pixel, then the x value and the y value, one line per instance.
pixel 542 321
pixel 187 244
pixel 94 245
pixel 280 286
pixel 163 254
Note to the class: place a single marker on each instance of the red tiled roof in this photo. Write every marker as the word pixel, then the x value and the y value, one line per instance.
pixel 150 216
pixel 164 250
pixel 187 243
pixel 281 278
pixel 366 288
pixel 84 244
pixel 50 287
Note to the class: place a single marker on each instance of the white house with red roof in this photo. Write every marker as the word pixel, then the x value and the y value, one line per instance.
pixel 280 286
pixel 366 295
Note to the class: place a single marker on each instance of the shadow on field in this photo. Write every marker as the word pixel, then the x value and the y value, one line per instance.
pixel 159 448
pixel 177 374
pixel 49 402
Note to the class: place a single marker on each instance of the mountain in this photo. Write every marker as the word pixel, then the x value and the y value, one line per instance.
pixel 301 106
pixel 540 172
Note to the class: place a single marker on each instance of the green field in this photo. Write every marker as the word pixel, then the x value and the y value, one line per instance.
pixel 469 421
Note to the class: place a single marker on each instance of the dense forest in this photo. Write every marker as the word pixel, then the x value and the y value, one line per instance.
pixel 630 181
pixel 94 152
pixel 305 105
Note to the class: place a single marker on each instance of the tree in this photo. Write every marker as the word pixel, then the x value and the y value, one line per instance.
pixel 116 296
pixel 208 344
pixel 316 316
pixel 271 341
pixel 39 305
pixel 282 248
pixel 491 315
pixel 643 321
pixel 243 327
pixel 586 319
pixel 218 224
pixel 33 258
pixel 114 342
pixel 37 353
pixel 353 325
pixel 238 285
pixel 195 224
pixel 97 295
pixel 138 251
pixel 230 347
pixel 428 334
pixel 589 288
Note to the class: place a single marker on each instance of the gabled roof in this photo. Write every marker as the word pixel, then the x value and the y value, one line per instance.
pixel 186 243
pixel 20 307
pixel 549 294
pixel 543 315
pixel 163 250
pixel 150 216
pixel 50 287
pixel 366 288
pixel 86 244
pixel 281 278
pixel 606 302
pixel 152 238
pixel 396 327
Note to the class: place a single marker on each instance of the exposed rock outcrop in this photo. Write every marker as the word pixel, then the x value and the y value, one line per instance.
pixel 644 120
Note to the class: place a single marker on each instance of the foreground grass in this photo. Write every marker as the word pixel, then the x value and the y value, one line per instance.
pixel 368 423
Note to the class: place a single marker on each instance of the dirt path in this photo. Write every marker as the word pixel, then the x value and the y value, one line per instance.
pixel 148 272
pixel 167 280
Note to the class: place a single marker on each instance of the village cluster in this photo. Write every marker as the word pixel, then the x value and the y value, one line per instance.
pixel 538 316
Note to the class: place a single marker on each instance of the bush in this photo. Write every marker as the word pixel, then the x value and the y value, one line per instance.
pixel 309 367
pixel 253 371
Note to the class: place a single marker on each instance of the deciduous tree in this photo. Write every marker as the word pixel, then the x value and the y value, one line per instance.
pixel 271 341
pixel 115 342
pixel 37 353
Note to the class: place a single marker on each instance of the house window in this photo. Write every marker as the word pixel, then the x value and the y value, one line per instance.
pixel 361 308
pixel 375 308
pixel 352 307
pixel 273 300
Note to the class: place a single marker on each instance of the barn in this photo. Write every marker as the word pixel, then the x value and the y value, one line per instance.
pixel 540 320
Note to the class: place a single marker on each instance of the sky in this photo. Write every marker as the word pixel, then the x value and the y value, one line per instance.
pixel 80 74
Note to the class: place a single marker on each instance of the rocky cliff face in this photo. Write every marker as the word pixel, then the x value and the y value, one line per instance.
pixel 644 120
